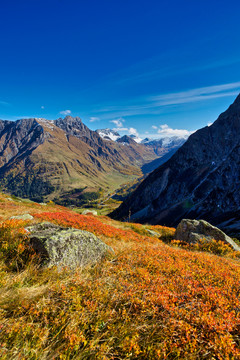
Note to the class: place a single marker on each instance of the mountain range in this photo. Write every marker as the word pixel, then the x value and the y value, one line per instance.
pixel 62 159
pixel 201 180
pixel 160 145
pixel 164 148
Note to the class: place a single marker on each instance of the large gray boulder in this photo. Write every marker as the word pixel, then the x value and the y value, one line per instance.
pixel 191 231
pixel 66 246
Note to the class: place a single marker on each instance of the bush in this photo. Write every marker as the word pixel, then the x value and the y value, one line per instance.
pixel 213 246
pixel 15 249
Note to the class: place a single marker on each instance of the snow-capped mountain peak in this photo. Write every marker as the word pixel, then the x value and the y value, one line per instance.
pixel 108 134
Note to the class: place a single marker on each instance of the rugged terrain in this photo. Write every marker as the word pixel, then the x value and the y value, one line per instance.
pixel 149 299
pixel 43 159
pixel 201 180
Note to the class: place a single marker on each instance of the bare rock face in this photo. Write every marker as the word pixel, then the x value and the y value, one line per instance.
pixel 191 231
pixel 66 246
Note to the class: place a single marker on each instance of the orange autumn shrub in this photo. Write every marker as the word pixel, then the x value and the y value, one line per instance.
pixel 167 233
pixel 213 246
pixel 148 301
pixel 90 223
pixel 15 249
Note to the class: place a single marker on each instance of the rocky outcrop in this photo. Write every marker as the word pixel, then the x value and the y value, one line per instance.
pixel 201 180
pixel 18 139
pixel 75 127
pixel 191 231
pixel 58 246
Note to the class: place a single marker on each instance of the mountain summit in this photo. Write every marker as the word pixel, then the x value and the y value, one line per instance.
pixel 201 180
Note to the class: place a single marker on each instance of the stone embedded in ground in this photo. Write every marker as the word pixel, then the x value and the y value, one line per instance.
pixel 66 246
pixel 153 233
pixel 22 217
pixel 191 231
pixel 89 212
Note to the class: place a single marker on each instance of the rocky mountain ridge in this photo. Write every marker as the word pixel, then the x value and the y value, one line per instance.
pixel 42 158
pixel 201 180
pixel 162 143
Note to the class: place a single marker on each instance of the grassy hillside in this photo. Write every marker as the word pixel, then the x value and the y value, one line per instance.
pixel 151 299
pixel 43 162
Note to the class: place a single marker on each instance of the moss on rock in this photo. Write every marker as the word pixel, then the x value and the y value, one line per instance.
pixel 66 246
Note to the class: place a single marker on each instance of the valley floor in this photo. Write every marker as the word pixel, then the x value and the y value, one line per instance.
pixel 148 300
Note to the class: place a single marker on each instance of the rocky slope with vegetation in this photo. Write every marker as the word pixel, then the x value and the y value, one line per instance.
pixel 43 159
pixel 201 180
pixel 152 298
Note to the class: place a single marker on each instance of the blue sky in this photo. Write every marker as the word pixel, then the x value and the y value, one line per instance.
pixel 155 68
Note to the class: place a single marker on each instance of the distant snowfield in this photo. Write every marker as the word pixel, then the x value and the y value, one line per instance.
pixel 109 134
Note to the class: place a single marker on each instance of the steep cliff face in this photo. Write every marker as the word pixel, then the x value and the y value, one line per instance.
pixel 75 127
pixel 42 158
pixel 18 139
pixel 201 180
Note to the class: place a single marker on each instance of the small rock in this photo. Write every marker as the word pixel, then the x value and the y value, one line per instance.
pixel 89 212
pixel 153 233
pixel 66 246
pixel 192 231
pixel 22 217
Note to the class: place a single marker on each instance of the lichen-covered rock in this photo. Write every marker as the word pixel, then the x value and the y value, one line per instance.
pixel 22 217
pixel 153 233
pixel 89 212
pixel 192 231
pixel 66 246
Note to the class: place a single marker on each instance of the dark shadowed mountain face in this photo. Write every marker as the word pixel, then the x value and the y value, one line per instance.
pixel 201 180
pixel 152 165
pixel 125 139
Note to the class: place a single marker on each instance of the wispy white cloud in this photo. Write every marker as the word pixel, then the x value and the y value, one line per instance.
pixel 65 112
pixel 143 74
pixel 197 94
pixel 120 128
pixel 118 122
pixel 154 127
pixel 155 104
pixel 165 131
pixel 4 103
pixel 94 118
pixel 133 131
